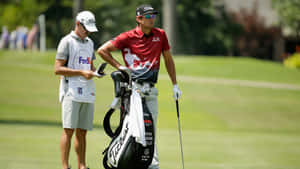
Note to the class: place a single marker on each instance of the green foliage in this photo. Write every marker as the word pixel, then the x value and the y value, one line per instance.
pixel 257 39
pixel 204 29
pixel 289 12
pixel 116 16
pixel 212 31
pixel 293 61
pixel 19 13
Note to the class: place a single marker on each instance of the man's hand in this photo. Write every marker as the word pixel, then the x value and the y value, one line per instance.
pixel 124 69
pixel 88 74
pixel 176 92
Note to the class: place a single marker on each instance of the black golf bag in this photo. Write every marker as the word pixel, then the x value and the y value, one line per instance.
pixel 123 151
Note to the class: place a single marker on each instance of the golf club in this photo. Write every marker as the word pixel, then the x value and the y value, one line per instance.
pixel 180 136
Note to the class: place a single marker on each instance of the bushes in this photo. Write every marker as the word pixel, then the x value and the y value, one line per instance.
pixel 293 61
pixel 204 29
pixel 257 39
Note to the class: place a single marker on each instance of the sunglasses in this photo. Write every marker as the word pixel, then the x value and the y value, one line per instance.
pixel 149 16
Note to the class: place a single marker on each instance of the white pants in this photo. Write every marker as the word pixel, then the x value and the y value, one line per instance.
pixel 151 101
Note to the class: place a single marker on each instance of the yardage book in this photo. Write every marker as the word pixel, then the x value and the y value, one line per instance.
pixel 99 72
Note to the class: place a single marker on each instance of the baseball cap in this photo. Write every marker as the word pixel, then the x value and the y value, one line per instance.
pixel 145 9
pixel 87 18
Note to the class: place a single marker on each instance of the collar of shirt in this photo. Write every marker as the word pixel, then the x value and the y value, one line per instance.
pixel 73 34
pixel 141 34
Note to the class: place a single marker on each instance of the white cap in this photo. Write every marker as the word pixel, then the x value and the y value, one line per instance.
pixel 87 18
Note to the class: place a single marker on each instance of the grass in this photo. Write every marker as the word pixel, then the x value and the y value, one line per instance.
pixel 237 68
pixel 228 127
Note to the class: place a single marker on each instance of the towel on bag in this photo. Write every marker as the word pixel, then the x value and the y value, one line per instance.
pixel 136 118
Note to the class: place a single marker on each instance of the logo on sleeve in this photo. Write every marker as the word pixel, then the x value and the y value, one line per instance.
pixel 155 39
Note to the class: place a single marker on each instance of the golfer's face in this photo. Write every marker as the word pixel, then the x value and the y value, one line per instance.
pixel 149 20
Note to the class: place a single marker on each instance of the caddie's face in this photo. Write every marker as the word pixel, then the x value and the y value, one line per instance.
pixel 83 30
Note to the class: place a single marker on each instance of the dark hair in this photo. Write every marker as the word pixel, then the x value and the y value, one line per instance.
pixel 137 21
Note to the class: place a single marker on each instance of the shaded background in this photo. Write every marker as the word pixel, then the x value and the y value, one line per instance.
pixel 265 29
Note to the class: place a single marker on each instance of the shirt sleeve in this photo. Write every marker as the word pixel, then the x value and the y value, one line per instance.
pixel 165 42
pixel 63 50
pixel 120 41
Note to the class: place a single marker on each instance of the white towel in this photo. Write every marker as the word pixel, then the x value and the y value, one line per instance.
pixel 136 118
pixel 62 88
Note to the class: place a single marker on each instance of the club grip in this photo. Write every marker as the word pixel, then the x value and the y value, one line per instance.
pixel 177 108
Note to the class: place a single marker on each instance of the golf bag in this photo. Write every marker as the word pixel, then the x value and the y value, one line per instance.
pixel 124 152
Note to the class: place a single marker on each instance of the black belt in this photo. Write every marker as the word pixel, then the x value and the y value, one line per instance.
pixel 141 82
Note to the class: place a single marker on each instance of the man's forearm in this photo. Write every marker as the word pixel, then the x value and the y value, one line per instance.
pixel 106 55
pixel 170 66
pixel 65 71
pixel 93 67
pixel 171 70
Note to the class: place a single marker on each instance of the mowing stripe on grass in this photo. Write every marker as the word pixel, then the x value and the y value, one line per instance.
pixel 224 81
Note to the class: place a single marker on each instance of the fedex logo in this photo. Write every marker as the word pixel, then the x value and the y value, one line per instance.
pixel 84 61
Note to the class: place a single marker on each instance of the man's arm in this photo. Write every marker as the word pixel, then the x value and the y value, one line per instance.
pixel 61 69
pixel 105 52
pixel 169 63
pixel 93 66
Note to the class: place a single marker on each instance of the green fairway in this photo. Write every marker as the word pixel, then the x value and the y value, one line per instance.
pixel 225 126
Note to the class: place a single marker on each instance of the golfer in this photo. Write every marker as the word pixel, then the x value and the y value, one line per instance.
pixel 74 62
pixel 141 49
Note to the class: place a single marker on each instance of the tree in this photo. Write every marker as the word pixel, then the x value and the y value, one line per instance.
pixel 289 13
pixel 78 5
pixel 204 28
pixel 169 21
pixel 17 13
pixel 116 16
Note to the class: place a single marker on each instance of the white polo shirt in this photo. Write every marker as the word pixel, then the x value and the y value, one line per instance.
pixel 79 55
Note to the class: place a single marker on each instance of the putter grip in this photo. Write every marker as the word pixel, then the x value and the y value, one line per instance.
pixel 177 108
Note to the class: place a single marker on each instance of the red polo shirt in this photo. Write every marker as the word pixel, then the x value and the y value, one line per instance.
pixel 141 52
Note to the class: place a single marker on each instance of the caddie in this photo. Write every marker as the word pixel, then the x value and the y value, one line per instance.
pixel 74 63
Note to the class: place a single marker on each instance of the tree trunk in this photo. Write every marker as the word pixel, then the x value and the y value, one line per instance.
pixel 278 48
pixel 78 5
pixel 169 22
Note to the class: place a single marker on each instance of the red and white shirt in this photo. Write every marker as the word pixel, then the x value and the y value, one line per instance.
pixel 141 52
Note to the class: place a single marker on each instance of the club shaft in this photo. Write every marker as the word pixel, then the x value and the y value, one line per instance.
pixel 180 136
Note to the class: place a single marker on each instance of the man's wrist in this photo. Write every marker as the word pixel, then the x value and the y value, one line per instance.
pixel 80 72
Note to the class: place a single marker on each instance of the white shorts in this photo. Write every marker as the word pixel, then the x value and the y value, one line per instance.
pixel 77 114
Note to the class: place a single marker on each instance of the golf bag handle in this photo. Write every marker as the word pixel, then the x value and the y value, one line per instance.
pixel 107 127
pixel 118 78
pixel 106 123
